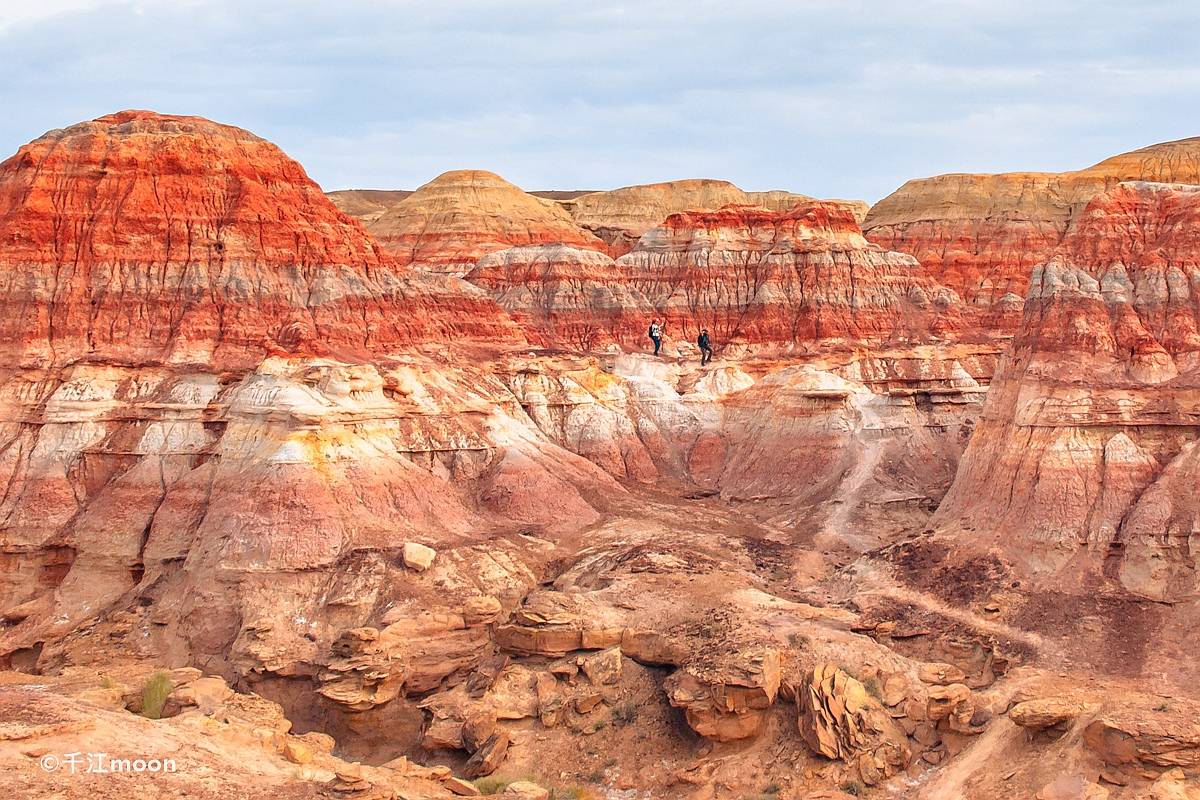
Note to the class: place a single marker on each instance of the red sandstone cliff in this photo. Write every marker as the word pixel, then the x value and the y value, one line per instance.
pixel 981 235
pixel 142 238
pixel 1086 452
pixel 751 276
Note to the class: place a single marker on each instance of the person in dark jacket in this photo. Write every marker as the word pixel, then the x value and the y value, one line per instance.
pixel 705 345
pixel 656 334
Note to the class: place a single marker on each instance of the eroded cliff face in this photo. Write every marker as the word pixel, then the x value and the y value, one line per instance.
pixel 621 216
pixel 216 385
pixel 151 239
pixel 981 235
pixel 1089 432
pixel 800 278
pixel 447 224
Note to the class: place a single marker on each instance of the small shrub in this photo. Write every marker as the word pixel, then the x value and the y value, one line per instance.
pixel 625 714
pixel 873 688
pixel 155 693
pixel 106 682
pixel 852 789
pixel 491 785
pixel 773 788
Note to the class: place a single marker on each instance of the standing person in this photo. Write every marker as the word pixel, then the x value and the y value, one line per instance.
pixel 705 345
pixel 656 334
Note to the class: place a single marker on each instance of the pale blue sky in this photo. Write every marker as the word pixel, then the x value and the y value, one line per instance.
pixel 829 98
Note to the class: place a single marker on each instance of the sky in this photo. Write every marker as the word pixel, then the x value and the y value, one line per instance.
pixel 834 99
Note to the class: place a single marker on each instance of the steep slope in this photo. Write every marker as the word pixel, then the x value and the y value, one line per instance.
pixel 753 277
pixel 217 389
pixel 981 235
pixel 144 238
pixel 447 224
pixel 1084 466
pixel 621 216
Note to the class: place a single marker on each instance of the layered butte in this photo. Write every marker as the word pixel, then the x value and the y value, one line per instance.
pixel 447 224
pixel 981 235
pixel 621 216
pixel 144 238
pixel 454 219
pixel 1085 462
pixel 804 276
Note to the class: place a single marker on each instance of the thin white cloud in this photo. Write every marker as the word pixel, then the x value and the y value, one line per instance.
pixel 833 97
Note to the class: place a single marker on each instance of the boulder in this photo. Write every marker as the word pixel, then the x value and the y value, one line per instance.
pixel 488 758
pixel 418 556
pixel 726 699
pixel 840 720
pixel 461 788
pixel 1072 787
pixel 952 706
pixel 941 674
pixel 524 790
pixel 1174 784
pixel 1045 712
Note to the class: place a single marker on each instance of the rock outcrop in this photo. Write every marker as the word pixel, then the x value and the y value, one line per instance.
pixel 622 216
pixel 804 276
pixel 840 720
pixel 73 736
pixel 1086 452
pixel 447 224
pixel 215 398
pixel 981 235
pixel 142 238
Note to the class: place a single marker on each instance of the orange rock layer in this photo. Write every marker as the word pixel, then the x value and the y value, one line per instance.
pixel 140 237
pixel 447 224
pixel 981 235
pixel 748 275
pixel 1086 460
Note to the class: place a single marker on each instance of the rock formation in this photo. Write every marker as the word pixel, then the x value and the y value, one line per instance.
pixel 366 205
pixel 177 297
pixel 981 235
pixel 839 719
pixel 804 276
pixel 621 216
pixel 1087 440
pixel 142 239
pixel 447 224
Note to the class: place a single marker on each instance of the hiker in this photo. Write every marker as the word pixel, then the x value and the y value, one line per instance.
pixel 705 345
pixel 656 333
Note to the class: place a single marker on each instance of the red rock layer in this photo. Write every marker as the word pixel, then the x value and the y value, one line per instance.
pixel 563 297
pixel 748 275
pixel 800 275
pixel 621 216
pixel 141 237
pixel 1087 451
pixel 447 224
pixel 981 235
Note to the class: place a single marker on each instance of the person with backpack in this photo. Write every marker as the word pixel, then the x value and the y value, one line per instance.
pixel 705 345
pixel 656 334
